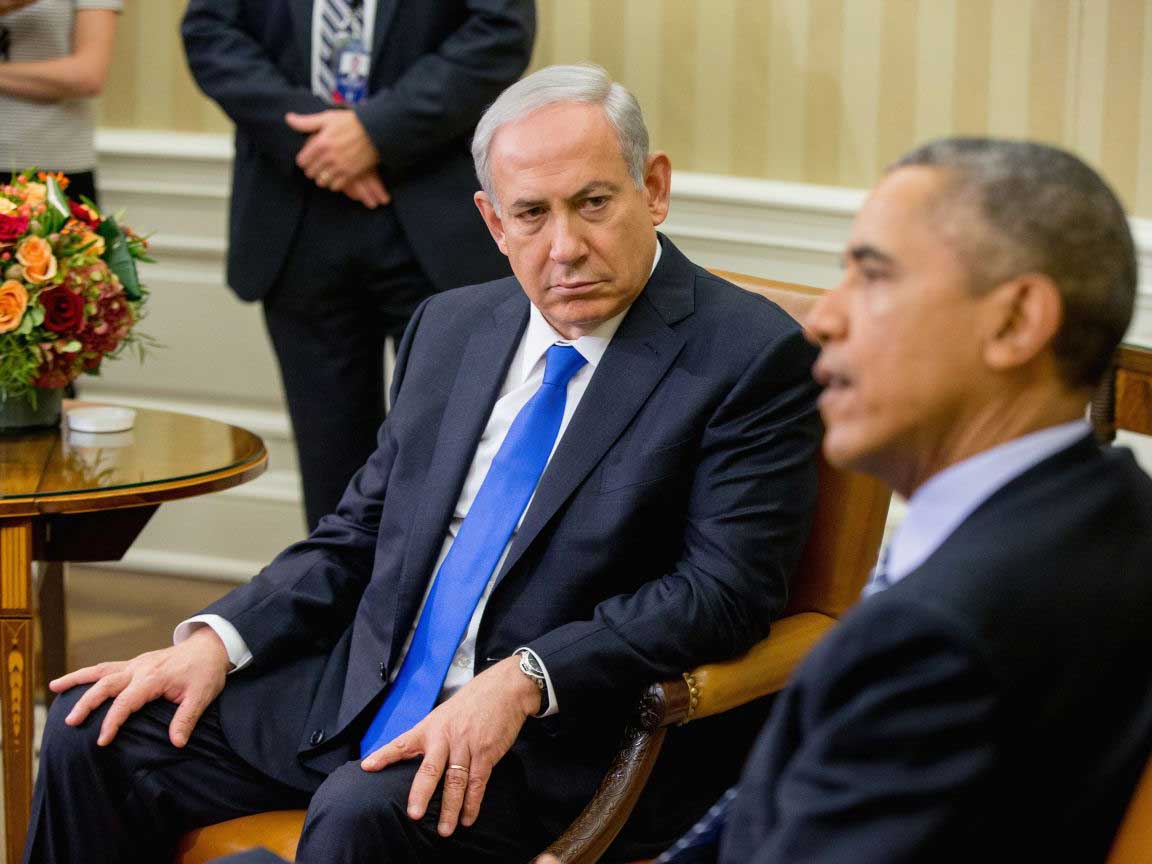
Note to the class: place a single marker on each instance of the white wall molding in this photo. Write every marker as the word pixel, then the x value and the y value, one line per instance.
pixel 218 363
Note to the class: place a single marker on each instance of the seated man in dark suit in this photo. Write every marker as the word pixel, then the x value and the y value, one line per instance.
pixel 991 697
pixel 595 475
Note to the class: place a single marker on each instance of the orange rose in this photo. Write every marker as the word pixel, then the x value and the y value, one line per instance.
pixel 35 193
pixel 87 237
pixel 13 302
pixel 35 253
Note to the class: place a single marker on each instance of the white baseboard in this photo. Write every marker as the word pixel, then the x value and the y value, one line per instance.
pixel 177 186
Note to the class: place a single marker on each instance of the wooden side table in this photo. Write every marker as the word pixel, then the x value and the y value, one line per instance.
pixel 68 496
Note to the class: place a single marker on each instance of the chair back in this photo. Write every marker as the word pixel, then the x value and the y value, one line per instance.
pixel 851 509
pixel 1124 401
pixel 1133 844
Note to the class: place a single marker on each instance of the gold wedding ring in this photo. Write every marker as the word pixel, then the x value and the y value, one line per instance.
pixel 463 768
pixel 324 177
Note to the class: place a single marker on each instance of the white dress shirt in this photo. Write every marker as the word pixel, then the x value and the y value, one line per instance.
pixel 524 377
pixel 939 507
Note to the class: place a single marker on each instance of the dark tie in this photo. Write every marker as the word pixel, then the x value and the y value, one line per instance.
pixel 484 533
pixel 702 842
pixel 337 18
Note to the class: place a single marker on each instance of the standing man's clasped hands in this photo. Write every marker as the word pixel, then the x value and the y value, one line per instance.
pixel 339 155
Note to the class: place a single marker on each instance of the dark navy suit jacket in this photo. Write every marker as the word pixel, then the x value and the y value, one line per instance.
pixel 435 67
pixel 662 535
pixel 994 705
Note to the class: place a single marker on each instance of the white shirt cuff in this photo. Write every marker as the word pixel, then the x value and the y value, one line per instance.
pixel 234 643
pixel 553 705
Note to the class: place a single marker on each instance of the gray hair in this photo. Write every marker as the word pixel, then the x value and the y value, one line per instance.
pixel 554 84
pixel 1040 209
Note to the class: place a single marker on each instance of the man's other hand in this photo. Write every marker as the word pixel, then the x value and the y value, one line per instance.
pixel 461 741
pixel 368 189
pixel 189 675
pixel 337 148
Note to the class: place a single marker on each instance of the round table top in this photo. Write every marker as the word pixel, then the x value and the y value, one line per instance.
pixel 164 456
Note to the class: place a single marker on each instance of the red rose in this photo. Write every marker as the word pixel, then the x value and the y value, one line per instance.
pixel 84 214
pixel 12 227
pixel 63 310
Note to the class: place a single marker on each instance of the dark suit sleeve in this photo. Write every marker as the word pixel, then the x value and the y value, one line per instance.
pixel 234 70
pixel 881 752
pixel 749 507
pixel 440 97
pixel 308 595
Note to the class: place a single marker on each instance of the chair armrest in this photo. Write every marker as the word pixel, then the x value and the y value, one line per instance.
pixel 706 690
pixel 717 687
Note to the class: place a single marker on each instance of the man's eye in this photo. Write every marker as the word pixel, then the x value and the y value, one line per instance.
pixel 530 213
pixel 595 202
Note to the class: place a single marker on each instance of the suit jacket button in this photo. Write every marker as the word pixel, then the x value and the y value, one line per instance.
pixel 316 737
pixel 383 671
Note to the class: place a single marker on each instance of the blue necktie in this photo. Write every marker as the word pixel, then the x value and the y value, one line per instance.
pixel 485 531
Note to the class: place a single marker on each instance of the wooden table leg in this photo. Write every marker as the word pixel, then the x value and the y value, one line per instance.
pixel 16 678
pixel 53 626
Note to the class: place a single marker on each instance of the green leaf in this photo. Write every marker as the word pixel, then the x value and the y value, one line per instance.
pixel 57 212
pixel 119 259
pixel 72 347
pixel 26 326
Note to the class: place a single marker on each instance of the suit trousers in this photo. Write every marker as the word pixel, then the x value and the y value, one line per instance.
pixel 131 800
pixel 349 283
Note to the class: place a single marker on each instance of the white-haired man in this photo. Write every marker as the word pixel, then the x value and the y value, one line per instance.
pixel 595 475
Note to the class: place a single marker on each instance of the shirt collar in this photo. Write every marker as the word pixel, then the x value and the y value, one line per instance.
pixel 540 335
pixel 938 507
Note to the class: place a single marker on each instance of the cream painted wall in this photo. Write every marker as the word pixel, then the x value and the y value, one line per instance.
pixel 813 91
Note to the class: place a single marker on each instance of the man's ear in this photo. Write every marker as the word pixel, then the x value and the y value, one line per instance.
pixel 1024 315
pixel 658 185
pixel 491 219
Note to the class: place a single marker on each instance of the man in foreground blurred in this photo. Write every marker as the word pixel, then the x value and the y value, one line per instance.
pixel 991 697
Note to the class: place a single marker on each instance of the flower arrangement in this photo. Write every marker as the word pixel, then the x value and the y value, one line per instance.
pixel 69 293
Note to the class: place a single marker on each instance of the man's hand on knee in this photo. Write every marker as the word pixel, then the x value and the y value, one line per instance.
pixel 189 675
pixel 461 741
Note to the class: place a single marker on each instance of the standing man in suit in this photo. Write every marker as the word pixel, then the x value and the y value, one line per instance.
pixel 991 697
pixel 443 669
pixel 352 185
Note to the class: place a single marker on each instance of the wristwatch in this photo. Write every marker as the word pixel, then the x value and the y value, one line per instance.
pixel 531 667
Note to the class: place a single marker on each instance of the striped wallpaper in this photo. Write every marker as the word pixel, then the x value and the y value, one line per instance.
pixel 816 91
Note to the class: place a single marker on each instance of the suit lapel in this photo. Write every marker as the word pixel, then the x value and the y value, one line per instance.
pixel 635 362
pixel 301 11
pixel 385 11
pixel 483 367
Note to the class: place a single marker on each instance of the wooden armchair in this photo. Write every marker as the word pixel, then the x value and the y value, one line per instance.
pixel 846 532
pixel 1125 402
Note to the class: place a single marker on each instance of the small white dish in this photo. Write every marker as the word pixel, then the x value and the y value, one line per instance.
pixel 99 440
pixel 101 418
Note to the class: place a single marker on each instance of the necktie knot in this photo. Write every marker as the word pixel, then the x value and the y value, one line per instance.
pixel 560 363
